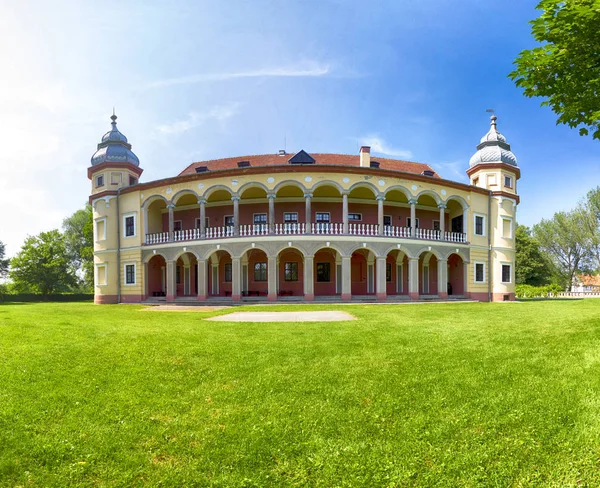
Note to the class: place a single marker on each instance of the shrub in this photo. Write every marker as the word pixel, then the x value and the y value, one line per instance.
pixel 528 291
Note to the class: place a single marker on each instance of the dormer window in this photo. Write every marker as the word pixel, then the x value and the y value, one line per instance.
pixel 374 164
pixel 201 169
pixel 99 181
pixel 243 164
pixel 428 172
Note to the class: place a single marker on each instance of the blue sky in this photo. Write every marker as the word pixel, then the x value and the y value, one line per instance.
pixel 198 80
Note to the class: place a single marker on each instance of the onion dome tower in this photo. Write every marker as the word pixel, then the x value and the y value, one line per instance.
pixel 114 165
pixel 494 166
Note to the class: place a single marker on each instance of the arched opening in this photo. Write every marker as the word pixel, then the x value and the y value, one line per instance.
pixel 327 272
pixel 456 225
pixel 255 274
pixel 428 274
pixel 220 274
pixel 186 216
pixel 291 273
pixel 362 210
pixel 456 276
pixel 156 220
pixel 327 209
pixel 290 214
pixel 362 272
pixel 219 214
pixel 254 212
pixel 427 217
pixel 396 212
pixel 396 273
pixel 186 275
pixel 156 272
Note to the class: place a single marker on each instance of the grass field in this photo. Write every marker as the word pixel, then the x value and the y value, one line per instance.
pixel 408 395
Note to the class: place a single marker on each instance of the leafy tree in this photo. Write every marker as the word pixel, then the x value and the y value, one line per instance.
pixel 42 265
pixel 565 240
pixel 590 209
pixel 3 262
pixel 564 69
pixel 79 242
pixel 532 266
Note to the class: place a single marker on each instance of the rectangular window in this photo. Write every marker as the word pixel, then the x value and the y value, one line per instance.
pixel 178 275
pixel 132 180
pixel 260 218
pixel 436 225
pixel 408 222
pixel 177 225
pixel 479 225
pixel 129 226
pixel 322 217
pixel 323 272
pixel 197 222
pixel 506 272
pixel 130 274
pixel 387 220
pixel 228 273
pixel 290 217
pixel 260 271
pixel 290 271
pixel 508 182
pixel 388 272
pixel 354 216
pixel 479 272
pixel 457 224
pixel 228 221
pixel 99 181
pixel 507 228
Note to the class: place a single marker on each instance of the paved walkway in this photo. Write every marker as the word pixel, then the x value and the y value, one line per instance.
pixel 325 316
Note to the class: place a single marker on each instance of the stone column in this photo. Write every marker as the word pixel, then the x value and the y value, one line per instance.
pixel 171 285
pixel 202 204
pixel 413 278
pixel 171 208
pixel 236 217
pixel 146 231
pixel 201 277
pixel 272 278
pixel 345 226
pixel 467 292
pixel 442 208
pixel 308 211
pixel 187 279
pixel 309 280
pixel 380 199
pixel 236 279
pixel 271 197
pixel 442 269
pixel 380 283
pixel 146 291
pixel 413 218
pixel 346 278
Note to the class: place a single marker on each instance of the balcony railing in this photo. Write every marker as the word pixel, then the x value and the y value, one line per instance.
pixel 319 228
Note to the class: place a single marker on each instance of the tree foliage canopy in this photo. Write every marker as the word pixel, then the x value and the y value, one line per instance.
pixel 532 266
pixel 79 242
pixel 3 261
pixel 42 265
pixel 565 69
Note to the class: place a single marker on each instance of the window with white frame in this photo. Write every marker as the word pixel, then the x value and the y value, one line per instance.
pixel 479 224
pixel 508 183
pixel 290 217
pixel 101 229
pixel 322 217
pixel 129 273
pixel 260 218
pixel 408 222
pixel 129 225
pixel 99 181
pixel 101 275
pixel 507 227
pixel 479 272
pixel 355 217
pixel 506 273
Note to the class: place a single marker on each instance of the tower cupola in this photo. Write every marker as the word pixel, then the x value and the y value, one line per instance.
pixel 493 148
pixel 114 148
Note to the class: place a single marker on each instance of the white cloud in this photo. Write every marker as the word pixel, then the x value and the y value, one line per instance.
pixel 194 119
pixel 454 170
pixel 298 71
pixel 378 145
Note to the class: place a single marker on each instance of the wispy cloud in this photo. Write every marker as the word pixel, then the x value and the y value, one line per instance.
pixel 378 145
pixel 454 170
pixel 301 70
pixel 194 119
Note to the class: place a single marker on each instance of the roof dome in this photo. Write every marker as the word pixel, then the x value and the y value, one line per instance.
pixel 493 148
pixel 114 148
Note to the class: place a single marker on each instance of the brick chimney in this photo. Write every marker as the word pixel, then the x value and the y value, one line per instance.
pixel 365 156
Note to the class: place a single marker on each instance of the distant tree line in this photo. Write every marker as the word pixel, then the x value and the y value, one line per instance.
pixel 54 261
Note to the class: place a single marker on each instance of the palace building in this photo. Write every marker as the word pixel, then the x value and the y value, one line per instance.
pixel 304 227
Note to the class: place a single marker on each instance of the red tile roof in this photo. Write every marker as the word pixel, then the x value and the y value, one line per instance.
pixel 321 159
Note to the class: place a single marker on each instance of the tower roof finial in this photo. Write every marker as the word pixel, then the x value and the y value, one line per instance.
pixel 113 117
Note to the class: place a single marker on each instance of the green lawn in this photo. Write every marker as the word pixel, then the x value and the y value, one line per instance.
pixel 408 395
